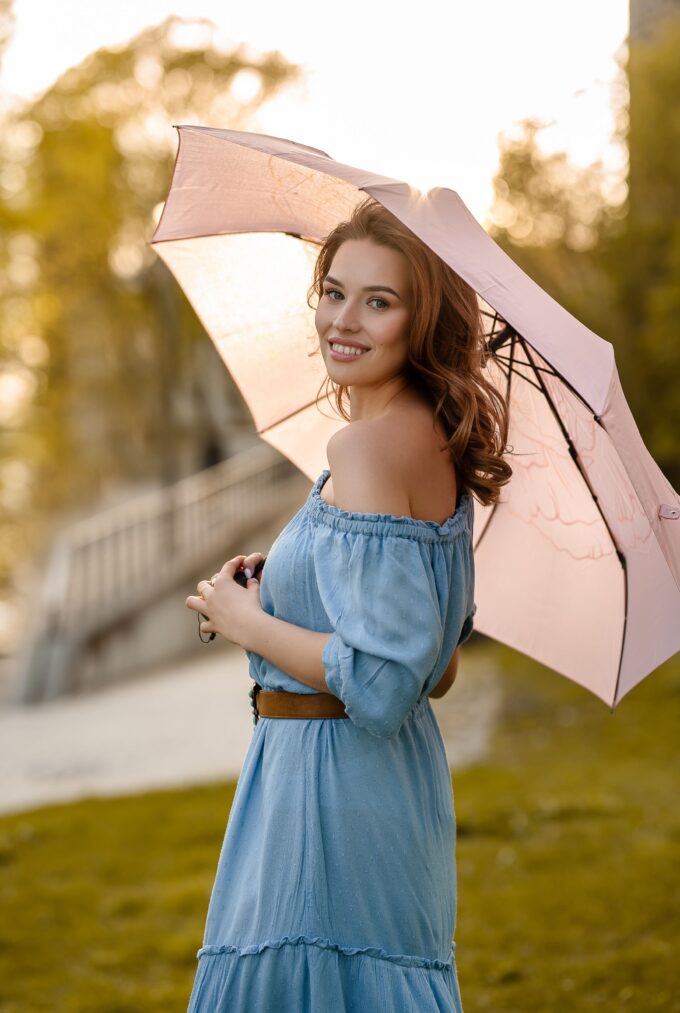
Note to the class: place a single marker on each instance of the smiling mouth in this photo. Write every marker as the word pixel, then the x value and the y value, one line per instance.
pixel 341 349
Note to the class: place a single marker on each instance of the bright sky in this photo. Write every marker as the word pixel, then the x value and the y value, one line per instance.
pixel 421 97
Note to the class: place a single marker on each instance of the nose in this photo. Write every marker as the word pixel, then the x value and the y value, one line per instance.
pixel 344 320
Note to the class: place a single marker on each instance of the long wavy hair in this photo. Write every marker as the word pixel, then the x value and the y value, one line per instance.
pixel 447 350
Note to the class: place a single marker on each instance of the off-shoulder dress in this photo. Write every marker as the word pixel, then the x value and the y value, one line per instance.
pixel 336 881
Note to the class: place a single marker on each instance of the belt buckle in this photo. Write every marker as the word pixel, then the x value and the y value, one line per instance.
pixel 253 701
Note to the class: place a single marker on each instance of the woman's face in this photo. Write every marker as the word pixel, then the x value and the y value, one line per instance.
pixel 377 320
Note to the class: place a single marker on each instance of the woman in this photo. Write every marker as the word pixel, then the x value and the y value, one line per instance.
pixel 336 885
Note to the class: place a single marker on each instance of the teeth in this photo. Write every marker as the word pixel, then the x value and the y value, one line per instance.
pixel 347 349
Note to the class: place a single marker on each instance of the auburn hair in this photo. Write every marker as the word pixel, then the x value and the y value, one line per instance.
pixel 447 349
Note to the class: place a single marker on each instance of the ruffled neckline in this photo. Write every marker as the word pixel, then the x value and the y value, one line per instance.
pixel 384 523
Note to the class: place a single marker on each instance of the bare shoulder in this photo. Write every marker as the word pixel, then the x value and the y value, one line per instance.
pixel 367 471
pixel 394 464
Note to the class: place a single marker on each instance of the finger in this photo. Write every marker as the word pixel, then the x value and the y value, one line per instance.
pixel 196 603
pixel 203 584
pixel 206 627
pixel 231 566
pixel 251 561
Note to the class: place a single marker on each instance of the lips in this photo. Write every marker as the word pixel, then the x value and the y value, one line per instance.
pixel 350 344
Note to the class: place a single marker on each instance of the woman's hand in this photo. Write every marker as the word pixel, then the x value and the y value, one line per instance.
pixel 229 607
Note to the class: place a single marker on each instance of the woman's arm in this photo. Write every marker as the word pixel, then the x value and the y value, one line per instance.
pixel 366 472
pixel 447 679
pixel 293 649
pixel 298 651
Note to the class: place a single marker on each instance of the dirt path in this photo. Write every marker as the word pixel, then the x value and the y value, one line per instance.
pixel 186 725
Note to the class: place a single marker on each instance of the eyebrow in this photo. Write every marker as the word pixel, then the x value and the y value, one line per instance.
pixel 366 288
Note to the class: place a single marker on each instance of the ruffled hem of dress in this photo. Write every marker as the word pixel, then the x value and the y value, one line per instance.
pixel 406 959
pixel 315 974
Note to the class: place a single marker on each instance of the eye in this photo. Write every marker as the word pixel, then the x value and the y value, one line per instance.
pixel 334 291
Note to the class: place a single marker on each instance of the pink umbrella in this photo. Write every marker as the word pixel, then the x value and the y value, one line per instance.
pixel 578 565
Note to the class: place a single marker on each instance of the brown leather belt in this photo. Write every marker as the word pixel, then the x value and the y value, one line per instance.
pixel 269 703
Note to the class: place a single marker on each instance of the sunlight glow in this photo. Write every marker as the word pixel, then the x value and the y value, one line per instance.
pixel 472 71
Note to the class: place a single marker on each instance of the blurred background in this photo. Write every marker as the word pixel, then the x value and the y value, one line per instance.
pixel 130 469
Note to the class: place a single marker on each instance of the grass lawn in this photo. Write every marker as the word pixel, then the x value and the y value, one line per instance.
pixel 568 869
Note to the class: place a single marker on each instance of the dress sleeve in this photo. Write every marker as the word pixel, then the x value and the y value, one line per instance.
pixel 380 594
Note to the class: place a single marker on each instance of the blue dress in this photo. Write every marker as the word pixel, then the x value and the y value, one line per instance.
pixel 335 889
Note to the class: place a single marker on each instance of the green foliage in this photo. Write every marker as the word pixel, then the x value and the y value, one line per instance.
pixel 613 263
pixel 568 854
pixel 111 356
pixel 647 257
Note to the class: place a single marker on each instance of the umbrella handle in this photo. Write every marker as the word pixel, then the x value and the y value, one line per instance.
pixel 240 576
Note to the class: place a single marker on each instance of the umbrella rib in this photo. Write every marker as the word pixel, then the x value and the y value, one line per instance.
pixel 497 340
pixel 575 457
pixel 235 232
pixel 543 369
pixel 291 415
pixel 570 445
pixel 515 369
pixel 508 377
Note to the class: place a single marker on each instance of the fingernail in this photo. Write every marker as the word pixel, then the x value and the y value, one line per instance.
pixel 248 572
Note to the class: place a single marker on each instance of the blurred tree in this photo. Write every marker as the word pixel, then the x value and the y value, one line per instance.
pixel 611 253
pixel 645 261
pixel 101 355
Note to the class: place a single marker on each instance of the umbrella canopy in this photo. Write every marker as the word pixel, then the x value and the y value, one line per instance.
pixel 578 564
